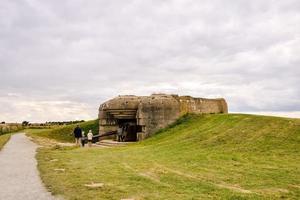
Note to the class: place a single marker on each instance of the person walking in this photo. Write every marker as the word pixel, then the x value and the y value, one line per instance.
pixel 82 139
pixel 78 135
pixel 124 132
pixel 90 138
pixel 120 132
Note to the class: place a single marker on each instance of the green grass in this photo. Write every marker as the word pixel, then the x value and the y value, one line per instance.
pixel 65 133
pixel 4 139
pixel 199 157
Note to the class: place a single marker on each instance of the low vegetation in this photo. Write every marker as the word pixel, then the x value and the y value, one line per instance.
pixel 3 140
pixel 199 157
pixel 10 128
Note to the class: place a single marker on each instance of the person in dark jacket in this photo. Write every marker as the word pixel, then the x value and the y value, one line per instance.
pixel 77 134
pixel 124 132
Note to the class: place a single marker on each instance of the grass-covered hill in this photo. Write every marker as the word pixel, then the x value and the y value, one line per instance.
pixel 65 133
pixel 199 157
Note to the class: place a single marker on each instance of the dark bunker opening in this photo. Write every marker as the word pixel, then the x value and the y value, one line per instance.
pixel 130 129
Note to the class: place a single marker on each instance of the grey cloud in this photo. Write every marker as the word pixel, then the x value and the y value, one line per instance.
pixel 84 52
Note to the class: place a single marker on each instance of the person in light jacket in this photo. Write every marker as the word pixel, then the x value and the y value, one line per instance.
pixel 119 133
pixel 90 138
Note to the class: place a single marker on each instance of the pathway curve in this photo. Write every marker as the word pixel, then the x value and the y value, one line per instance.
pixel 19 176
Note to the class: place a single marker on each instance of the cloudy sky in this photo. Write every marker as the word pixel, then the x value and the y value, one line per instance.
pixel 60 59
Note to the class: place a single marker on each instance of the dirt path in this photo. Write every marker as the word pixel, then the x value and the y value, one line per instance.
pixel 19 177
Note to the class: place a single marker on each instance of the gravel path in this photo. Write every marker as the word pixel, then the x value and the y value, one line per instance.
pixel 19 177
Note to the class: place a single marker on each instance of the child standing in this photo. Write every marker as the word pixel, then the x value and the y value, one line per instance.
pixel 90 138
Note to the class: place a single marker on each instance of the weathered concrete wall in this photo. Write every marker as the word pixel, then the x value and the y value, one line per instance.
pixel 201 105
pixel 154 112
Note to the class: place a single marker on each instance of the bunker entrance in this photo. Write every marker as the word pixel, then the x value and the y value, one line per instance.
pixel 130 128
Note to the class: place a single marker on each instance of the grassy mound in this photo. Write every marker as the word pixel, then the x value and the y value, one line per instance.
pixel 199 157
pixel 65 133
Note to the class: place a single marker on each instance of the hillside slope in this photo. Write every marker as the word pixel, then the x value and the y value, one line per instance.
pixel 64 133
pixel 199 157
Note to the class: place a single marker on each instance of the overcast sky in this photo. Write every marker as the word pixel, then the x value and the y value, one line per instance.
pixel 60 59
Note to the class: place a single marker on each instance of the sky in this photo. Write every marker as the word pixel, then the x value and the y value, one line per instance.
pixel 59 60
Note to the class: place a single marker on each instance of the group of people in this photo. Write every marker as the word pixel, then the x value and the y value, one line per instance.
pixel 79 134
pixel 80 140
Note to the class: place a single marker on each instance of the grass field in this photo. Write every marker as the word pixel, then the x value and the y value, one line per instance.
pixel 65 133
pixel 200 157
pixel 4 139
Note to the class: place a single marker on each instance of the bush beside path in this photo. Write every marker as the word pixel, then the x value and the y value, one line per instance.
pixel 3 140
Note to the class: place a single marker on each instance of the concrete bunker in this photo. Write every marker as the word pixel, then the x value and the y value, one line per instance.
pixel 144 115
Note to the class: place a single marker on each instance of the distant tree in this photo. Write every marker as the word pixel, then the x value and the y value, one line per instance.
pixel 25 123
pixel 2 122
pixel 63 122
